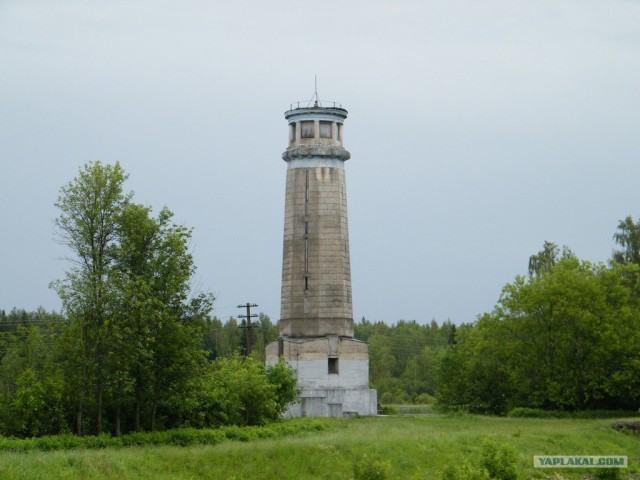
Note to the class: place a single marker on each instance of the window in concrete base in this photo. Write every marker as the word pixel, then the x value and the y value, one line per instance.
pixel 333 366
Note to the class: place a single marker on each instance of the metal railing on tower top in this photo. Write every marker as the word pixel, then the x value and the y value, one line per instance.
pixel 314 104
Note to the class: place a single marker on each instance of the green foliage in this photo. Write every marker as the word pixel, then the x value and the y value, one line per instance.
pixel 424 399
pixel 182 437
pixel 404 357
pixel 283 378
pixel 472 375
pixel 29 403
pixel 526 412
pixel 133 346
pixel 241 391
pixel 90 208
pixel 500 462
pixel 226 339
pixel 566 338
pixel 157 370
pixel 547 258
pixel 497 462
pixel 417 447
pixel 418 409
pixel 609 474
pixel 367 468
pixel 31 384
pixel 12 322
pixel 388 410
pixel 628 237
pixel 128 353
pixel 464 472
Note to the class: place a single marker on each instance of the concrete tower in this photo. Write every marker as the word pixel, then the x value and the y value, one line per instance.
pixel 316 317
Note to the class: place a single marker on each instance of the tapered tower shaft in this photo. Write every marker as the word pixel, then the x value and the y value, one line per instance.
pixel 316 319
pixel 316 272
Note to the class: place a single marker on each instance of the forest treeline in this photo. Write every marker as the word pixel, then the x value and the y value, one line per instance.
pixel 36 398
pixel 129 352
pixel 136 349
pixel 39 393
pixel 566 337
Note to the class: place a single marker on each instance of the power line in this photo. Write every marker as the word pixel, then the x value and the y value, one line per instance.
pixel 249 325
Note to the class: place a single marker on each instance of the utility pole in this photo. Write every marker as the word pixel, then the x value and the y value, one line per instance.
pixel 249 325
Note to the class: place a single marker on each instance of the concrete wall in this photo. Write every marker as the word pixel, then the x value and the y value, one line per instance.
pixel 335 403
pixel 325 393
pixel 316 270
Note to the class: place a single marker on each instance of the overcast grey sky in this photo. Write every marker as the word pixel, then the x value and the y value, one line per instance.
pixel 477 130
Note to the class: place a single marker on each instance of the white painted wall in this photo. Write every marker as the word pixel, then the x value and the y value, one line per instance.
pixel 314 374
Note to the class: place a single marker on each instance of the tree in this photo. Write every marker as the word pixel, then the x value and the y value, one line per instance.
pixel 215 343
pixel 90 207
pixel 31 384
pixel 134 342
pixel 241 391
pixel 565 339
pixel 283 378
pixel 472 374
pixel 153 324
pixel 547 258
pixel 420 372
pixel 628 237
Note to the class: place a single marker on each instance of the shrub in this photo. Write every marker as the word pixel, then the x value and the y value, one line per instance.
pixel 140 438
pixel 500 462
pixel 526 412
pixel 366 468
pixel 386 397
pixel 424 399
pixel 233 432
pixel 180 436
pixel 601 414
pixel 266 432
pixel 99 441
pixel 388 410
pixel 57 442
pixel 401 397
pixel 609 474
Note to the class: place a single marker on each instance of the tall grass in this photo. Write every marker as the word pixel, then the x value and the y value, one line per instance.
pixel 413 448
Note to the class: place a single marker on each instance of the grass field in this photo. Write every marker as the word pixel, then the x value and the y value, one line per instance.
pixel 412 448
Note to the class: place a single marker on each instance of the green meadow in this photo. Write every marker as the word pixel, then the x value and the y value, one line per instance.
pixel 401 447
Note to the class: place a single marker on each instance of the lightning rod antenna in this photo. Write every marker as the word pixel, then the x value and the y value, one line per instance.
pixel 315 81
pixel 315 98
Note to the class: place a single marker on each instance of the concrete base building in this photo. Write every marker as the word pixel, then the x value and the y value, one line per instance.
pixel 316 324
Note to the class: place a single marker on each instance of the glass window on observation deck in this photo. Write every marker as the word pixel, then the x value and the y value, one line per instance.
pixel 325 129
pixel 307 130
